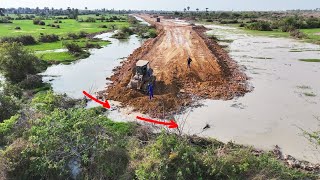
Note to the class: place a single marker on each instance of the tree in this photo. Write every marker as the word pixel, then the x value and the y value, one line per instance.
pixel 184 9
pixel 16 62
pixel 207 9
pixel 197 9
pixel 2 11
pixel 188 8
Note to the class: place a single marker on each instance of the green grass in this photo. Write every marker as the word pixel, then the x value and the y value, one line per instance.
pixel 313 35
pixel 57 56
pixel 274 33
pixel 67 26
pixel 310 60
pixel 59 44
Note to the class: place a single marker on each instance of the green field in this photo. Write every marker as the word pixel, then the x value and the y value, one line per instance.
pixel 67 26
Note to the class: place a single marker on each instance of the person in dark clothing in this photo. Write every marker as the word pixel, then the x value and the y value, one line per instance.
pixel 150 90
pixel 189 61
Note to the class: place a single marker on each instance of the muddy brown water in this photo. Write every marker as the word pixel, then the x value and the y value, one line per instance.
pixel 272 114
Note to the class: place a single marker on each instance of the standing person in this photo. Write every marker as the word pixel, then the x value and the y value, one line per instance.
pixel 189 61
pixel 150 90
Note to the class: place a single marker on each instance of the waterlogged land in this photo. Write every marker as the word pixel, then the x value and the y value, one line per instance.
pixel 272 114
pixel 50 127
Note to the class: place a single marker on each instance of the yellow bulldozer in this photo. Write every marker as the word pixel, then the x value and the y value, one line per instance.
pixel 143 75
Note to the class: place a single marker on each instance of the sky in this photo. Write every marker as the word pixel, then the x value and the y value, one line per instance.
pixel 168 4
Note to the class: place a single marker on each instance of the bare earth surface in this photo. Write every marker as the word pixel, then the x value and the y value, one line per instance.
pixel 212 74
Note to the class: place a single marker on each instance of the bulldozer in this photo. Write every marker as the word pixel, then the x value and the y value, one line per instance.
pixel 142 77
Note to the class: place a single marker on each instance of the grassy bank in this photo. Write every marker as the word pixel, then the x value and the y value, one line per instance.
pixel 60 44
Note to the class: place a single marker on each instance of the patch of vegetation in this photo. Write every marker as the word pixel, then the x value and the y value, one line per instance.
pixel 57 56
pixel 309 94
pixel 260 26
pixel 123 33
pixel 304 87
pixel 49 38
pixel 24 39
pixel 16 62
pixel 310 60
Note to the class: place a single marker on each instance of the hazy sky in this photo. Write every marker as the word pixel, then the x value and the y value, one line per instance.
pixel 168 4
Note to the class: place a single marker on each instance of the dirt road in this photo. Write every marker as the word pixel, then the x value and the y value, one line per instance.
pixel 212 74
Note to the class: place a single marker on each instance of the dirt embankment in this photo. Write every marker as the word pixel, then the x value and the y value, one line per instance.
pixel 213 74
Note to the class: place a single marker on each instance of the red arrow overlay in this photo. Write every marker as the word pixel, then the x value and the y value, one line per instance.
pixel 104 104
pixel 171 124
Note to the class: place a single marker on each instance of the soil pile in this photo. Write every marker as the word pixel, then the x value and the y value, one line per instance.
pixel 213 74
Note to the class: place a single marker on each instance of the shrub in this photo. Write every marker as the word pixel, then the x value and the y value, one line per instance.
pixel 32 81
pixel 16 62
pixel 90 19
pixel 209 20
pixel 58 26
pixel 48 101
pixel 5 20
pixel 92 45
pixel 73 48
pixel 17 28
pixel 52 25
pixel 8 107
pixel 42 23
pixel 79 137
pixel 103 26
pixel 73 36
pixel 126 30
pixel 297 34
pixel 48 38
pixel 228 21
pixel 152 33
pixel 36 21
pixel 242 25
pixel 6 128
pixel 24 39
pixel 260 26
pixel 82 34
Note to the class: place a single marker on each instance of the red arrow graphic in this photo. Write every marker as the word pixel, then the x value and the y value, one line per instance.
pixel 171 124
pixel 104 104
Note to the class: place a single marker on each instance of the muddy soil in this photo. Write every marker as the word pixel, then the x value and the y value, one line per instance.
pixel 213 74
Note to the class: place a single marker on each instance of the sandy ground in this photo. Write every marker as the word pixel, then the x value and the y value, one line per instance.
pixel 212 74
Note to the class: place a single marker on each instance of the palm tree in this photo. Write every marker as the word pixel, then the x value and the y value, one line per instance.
pixel 197 9
pixel 207 9
pixel 184 9
pixel 188 8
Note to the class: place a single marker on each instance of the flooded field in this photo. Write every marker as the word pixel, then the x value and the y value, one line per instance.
pixel 285 98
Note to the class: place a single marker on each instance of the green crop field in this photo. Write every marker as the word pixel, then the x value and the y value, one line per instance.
pixel 67 26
